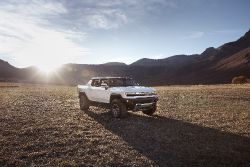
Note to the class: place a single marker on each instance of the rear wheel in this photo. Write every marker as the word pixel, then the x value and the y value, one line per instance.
pixel 84 102
pixel 150 111
pixel 118 108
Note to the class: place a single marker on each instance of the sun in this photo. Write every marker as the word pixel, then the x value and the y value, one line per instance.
pixel 47 64
pixel 49 50
pixel 47 68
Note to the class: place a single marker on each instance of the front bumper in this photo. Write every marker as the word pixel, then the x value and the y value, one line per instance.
pixel 142 103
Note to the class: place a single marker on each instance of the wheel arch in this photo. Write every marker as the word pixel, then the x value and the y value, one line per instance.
pixel 114 96
pixel 83 94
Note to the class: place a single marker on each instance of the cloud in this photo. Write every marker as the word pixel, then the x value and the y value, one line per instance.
pixel 113 14
pixel 194 35
pixel 97 14
pixel 33 31
pixel 33 8
pixel 106 19
pixel 28 37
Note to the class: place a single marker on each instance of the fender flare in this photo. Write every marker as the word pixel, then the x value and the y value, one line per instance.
pixel 114 96
pixel 81 94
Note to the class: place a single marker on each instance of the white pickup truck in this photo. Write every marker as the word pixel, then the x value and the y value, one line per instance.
pixel 120 94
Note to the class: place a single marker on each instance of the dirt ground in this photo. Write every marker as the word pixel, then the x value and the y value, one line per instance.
pixel 193 126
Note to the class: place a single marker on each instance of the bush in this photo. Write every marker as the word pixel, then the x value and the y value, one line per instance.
pixel 239 80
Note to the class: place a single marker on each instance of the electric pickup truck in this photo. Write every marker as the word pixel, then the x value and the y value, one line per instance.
pixel 120 94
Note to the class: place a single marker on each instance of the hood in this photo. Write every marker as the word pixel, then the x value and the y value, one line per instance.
pixel 133 89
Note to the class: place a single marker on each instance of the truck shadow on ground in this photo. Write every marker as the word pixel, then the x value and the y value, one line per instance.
pixel 170 142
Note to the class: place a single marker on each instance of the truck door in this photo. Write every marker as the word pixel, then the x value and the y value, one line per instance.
pixel 103 91
pixel 93 90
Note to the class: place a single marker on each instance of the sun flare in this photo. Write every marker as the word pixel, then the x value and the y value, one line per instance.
pixel 47 68
pixel 48 51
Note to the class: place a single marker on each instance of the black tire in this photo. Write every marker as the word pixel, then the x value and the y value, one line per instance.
pixel 118 109
pixel 150 111
pixel 84 102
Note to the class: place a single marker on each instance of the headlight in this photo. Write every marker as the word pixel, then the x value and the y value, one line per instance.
pixel 153 93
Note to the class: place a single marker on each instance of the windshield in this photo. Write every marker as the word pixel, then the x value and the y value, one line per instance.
pixel 117 82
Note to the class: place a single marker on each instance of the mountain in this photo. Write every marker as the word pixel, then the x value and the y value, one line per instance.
pixel 115 64
pixel 8 72
pixel 209 52
pixel 173 62
pixel 213 66
pixel 238 60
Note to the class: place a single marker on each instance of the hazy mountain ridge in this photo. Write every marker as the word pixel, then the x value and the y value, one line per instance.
pixel 213 66
pixel 8 72
pixel 114 64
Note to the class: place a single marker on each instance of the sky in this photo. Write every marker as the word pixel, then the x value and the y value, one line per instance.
pixel 48 33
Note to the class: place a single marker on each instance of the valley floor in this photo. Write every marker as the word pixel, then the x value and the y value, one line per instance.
pixel 193 126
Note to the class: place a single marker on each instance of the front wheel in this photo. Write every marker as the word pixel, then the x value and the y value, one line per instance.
pixel 150 111
pixel 84 102
pixel 118 108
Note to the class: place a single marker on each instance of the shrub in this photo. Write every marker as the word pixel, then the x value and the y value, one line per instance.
pixel 239 80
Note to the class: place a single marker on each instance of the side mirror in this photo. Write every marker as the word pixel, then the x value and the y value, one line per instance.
pixel 104 85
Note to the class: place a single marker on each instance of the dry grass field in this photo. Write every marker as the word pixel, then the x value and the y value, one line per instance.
pixel 194 126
